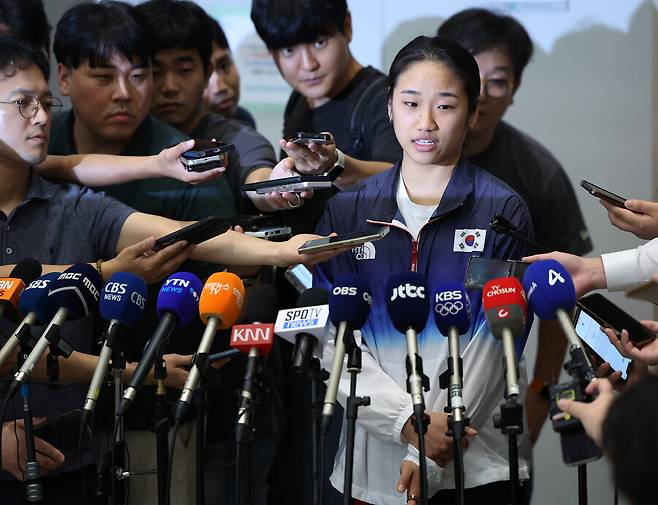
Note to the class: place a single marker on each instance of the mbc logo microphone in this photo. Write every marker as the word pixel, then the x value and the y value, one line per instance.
pixel 408 291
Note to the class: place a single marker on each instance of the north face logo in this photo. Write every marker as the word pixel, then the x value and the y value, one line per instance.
pixel 364 252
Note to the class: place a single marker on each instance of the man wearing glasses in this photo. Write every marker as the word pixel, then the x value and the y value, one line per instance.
pixel 502 48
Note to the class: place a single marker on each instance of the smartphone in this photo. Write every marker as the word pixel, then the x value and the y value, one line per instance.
pixel 300 277
pixel 296 183
pixel 647 292
pixel 608 314
pixel 222 355
pixel 603 194
pixel 62 432
pixel 195 233
pixel 596 341
pixel 346 240
pixel 308 138
pixel 254 222
pixel 205 155
pixel 273 233
pixel 481 270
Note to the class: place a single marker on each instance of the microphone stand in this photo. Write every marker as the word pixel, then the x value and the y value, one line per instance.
pixel 317 375
pixel 457 420
pixel 416 382
pixel 118 445
pixel 33 484
pixel 161 427
pixel 510 419
pixel 351 411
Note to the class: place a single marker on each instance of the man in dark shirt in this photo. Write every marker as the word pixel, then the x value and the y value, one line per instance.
pixel 222 94
pixel 502 48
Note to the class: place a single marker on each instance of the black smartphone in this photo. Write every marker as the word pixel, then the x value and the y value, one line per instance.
pixel 296 183
pixel 603 194
pixel 608 314
pixel 308 138
pixel 205 155
pixel 481 270
pixel 229 353
pixel 273 233
pixel 254 222
pixel 62 432
pixel 597 342
pixel 194 233
pixel 346 240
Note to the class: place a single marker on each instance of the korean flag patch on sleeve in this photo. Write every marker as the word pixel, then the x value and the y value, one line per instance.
pixel 469 240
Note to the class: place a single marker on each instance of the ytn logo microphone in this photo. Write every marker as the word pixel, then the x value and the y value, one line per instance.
pixel 408 291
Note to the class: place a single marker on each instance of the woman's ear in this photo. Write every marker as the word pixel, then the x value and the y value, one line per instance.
pixel 390 112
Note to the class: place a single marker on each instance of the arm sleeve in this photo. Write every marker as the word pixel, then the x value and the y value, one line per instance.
pixel 105 219
pixel 623 269
pixel 252 151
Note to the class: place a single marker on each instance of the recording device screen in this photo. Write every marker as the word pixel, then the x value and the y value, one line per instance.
pixel 481 270
pixel 589 330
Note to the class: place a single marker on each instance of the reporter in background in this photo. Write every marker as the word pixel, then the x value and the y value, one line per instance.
pixel 627 428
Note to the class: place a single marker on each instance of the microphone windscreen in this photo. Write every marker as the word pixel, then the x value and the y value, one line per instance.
pixel 313 296
pixel 77 289
pixel 123 298
pixel 452 308
pixel 26 270
pixel 504 304
pixel 262 306
pixel 549 287
pixel 407 301
pixel 35 298
pixel 222 297
pixel 350 300
pixel 180 295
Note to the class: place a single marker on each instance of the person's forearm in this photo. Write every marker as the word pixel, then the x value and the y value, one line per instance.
pixel 260 201
pixel 99 169
pixel 357 170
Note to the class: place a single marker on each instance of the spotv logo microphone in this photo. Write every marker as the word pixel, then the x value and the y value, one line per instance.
pixel 408 291
pixel 303 317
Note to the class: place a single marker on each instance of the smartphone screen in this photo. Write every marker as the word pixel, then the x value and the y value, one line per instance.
pixel 300 277
pixel 589 330
pixel 481 270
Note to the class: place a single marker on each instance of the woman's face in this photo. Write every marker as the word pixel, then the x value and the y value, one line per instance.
pixel 430 115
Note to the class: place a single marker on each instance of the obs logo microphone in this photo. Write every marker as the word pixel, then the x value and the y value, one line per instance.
pixel 408 291
pixel 351 291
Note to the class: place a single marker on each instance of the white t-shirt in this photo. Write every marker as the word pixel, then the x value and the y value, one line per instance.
pixel 415 216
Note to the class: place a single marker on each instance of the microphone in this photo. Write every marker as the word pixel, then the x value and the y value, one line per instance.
pixel 349 307
pixel 11 287
pixel 505 308
pixel 177 304
pixel 408 307
pixel 452 315
pixel 551 295
pixel 255 340
pixel 307 327
pixel 122 303
pixel 220 304
pixel 34 304
pixel 75 293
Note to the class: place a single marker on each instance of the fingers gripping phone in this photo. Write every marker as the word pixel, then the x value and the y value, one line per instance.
pixel 604 194
pixel 195 233
pixel 206 155
pixel 296 183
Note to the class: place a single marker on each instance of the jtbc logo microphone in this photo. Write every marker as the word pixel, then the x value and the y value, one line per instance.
pixel 247 336
pixel 408 291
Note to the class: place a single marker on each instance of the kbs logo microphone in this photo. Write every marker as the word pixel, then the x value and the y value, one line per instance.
pixel 452 308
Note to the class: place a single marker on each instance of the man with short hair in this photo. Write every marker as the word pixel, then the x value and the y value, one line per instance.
pixel 502 49
pixel 222 94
